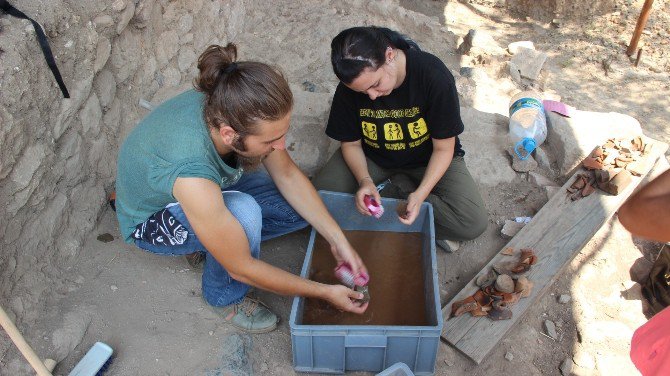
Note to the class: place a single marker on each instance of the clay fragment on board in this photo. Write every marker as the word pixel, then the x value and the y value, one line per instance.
pixel 509 251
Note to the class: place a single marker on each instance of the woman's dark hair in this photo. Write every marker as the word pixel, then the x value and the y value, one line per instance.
pixel 357 48
pixel 239 94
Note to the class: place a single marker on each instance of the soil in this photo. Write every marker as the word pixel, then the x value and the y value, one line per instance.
pixel 150 310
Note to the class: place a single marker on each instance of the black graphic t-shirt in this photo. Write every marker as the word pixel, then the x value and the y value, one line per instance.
pixel 396 129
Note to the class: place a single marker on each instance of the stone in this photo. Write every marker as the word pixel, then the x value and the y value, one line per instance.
pixel 540 180
pixel 487 165
pixel 564 299
pixel 27 165
pixel 78 94
pixel 305 142
pixel 125 57
pixel 550 329
pixel 530 62
pixel 519 165
pixel 504 283
pixel 185 24
pixel 105 238
pixel 171 76
pixel 566 367
pixel 119 5
pixel 466 71
pixel 514 47
pixel 551 191
pixel 143 11
pixel 105 88
pixel 618 184
pixel 126 16
pixel 572 139
pixel 509 356
pixel 510 229
pixel 102 52
pixel 185 59
pixel 514 72
pixel 90 116
pixel 478 42
pixel 542 159
pixel 103 21
pixel 167 46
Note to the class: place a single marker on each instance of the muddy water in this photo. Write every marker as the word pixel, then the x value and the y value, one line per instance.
pixel 396 280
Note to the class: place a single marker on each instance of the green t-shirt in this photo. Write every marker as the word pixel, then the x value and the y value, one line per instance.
pixel 172 141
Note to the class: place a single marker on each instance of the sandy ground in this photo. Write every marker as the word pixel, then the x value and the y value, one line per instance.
pixel 150 310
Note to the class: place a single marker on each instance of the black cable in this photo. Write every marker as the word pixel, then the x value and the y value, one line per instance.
pixel 44 43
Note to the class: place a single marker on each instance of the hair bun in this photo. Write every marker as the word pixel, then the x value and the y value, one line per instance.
pixel 215 62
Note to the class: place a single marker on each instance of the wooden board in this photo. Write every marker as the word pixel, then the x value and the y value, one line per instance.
pixel 556 233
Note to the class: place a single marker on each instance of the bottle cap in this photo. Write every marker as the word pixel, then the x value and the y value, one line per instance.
pixel 524 147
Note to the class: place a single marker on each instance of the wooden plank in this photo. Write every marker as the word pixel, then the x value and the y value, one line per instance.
pixel 556 233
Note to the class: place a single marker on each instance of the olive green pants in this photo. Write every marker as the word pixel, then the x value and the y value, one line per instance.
pixel 458 207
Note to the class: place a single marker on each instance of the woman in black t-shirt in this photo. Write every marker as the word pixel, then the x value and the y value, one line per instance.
pixel 396 111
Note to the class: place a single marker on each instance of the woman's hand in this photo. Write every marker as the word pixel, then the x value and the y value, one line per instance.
pixel 367 187
pixel 414 201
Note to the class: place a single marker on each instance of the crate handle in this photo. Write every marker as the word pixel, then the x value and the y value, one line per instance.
pixel 365 341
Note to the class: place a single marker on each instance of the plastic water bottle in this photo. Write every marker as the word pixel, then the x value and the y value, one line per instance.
pixel 527 123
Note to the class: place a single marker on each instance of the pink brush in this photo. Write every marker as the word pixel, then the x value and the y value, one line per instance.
pixel 376 209
pixel 344 273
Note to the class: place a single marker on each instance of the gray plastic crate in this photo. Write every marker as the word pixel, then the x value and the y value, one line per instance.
pixel 373 348
pixel 398 369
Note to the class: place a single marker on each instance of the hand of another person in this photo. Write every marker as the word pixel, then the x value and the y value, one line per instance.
pixel 368 187
pixel 343 297
pixel 414 202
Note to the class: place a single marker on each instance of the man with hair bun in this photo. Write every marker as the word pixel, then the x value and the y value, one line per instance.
pixel 186 184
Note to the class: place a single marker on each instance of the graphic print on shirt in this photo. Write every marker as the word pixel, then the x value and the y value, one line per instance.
pixel 393 133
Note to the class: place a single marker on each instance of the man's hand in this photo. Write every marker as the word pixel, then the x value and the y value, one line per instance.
pixel 343 297
pixel 345 253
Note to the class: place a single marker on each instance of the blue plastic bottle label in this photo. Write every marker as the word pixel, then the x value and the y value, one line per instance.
pixel 525 103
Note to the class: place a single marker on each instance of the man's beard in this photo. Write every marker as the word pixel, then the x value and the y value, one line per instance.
pixel 248 163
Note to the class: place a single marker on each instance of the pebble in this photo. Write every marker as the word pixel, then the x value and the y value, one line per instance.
pixel 211 333
pixel 105 238
pixel 564 299
pixel 509 356
pixel 550 329
pixel 113 287
pixel 566 367
pixel 466 71
pixel 504 283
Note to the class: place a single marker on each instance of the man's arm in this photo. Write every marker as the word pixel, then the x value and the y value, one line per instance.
pixel 647 212
pixel 223 236
pixel 440 159
pixel 301 195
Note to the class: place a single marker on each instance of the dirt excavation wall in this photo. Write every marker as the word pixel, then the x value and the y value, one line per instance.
pixel 547 10
pixel 58 156
pixel 57 160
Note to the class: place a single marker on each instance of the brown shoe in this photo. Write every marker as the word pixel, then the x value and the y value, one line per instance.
pixel 196 259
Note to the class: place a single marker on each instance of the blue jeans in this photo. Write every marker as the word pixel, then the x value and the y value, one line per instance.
pixel 263 213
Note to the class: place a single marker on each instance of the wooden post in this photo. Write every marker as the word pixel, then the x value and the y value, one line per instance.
pixel 641 22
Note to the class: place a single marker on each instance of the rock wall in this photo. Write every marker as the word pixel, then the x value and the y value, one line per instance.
pixel 58 156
